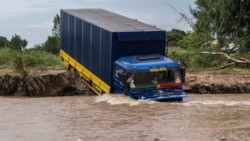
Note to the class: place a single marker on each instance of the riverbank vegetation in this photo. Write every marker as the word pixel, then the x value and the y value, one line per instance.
pixel 29 58
pixel 21 62
pixel 206 63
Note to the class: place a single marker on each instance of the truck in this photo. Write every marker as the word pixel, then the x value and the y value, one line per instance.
pixel 114 54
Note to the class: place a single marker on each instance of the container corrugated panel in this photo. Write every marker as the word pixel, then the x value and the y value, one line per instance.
pixel 96 38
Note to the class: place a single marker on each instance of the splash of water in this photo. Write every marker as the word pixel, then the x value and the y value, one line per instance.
pixel 118 99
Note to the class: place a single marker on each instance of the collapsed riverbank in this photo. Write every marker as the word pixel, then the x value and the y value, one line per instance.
pixel 58 82
pixel 42 82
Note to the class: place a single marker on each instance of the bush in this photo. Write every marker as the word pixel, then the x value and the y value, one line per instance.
pixel 8 56
pixel 194 61
pixel 19 65
pixel 30 58
pixel 182 55
pixel 39 58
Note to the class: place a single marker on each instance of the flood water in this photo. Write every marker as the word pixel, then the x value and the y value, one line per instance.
pixel 118 118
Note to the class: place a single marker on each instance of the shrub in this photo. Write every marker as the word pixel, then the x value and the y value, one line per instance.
pixel 182 55
pixel 8 56
pixel 30 58
pixel 194 61
pixel 37 58
pixel 19 65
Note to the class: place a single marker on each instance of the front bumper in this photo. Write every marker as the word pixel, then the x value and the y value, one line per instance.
pixel 159 95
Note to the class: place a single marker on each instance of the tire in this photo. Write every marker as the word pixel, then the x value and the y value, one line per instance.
pixel 179 99
pixel 77 75
pixel 72 73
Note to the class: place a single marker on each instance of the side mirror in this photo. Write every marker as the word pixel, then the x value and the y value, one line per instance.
pixel 183 74
pixel 124 78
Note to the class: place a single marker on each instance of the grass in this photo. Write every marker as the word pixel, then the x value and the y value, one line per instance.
pixel 7 56
pixel 41 59
pixel 30 58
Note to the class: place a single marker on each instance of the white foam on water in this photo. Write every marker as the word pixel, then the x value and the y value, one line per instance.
pixel 216 102
pixel 118 99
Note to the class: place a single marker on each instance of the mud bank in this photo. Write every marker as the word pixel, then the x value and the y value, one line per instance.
pixel 217 83
pixel 42 83
pixel 59 83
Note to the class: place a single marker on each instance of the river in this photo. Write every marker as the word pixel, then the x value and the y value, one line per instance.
pixel 118 118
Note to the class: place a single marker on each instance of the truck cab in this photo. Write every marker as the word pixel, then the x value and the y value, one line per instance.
pixel 149 77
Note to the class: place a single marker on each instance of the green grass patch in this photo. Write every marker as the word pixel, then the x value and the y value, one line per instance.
pixel 7 56
pixel 30 58
pixel 41 59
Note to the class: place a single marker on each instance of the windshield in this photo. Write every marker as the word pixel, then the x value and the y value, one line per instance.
pixel 155 78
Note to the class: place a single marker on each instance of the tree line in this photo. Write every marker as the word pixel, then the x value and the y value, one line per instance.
pixel 51 45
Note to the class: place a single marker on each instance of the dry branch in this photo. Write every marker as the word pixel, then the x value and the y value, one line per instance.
pixel 222 67
pixel 244 59
pixel 241 60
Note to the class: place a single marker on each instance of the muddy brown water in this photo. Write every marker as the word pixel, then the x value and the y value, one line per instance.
pixel 118 118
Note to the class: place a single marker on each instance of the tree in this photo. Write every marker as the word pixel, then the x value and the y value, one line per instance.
pixel 174 36
pixel 56 31
pixel 17 43
pixel 3 41
pixel 228 21
pixel 52 45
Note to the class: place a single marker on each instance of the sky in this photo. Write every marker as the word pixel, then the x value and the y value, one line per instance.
pixel 33 19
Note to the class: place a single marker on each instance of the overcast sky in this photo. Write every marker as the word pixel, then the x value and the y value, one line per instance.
pixel 33 19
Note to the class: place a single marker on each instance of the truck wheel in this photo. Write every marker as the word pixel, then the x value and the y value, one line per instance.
pixel 179 99
pixel 72 72
pixel 77 75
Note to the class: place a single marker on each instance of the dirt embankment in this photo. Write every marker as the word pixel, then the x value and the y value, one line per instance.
pixel 48 82
pixel 58 82
pixel 217 83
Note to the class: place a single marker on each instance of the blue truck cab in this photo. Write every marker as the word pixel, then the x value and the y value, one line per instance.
pixel 149 77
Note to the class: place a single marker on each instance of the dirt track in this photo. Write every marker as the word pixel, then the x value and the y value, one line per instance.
pixel 57 82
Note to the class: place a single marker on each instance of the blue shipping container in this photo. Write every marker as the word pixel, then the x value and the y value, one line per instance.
pixel 96 38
